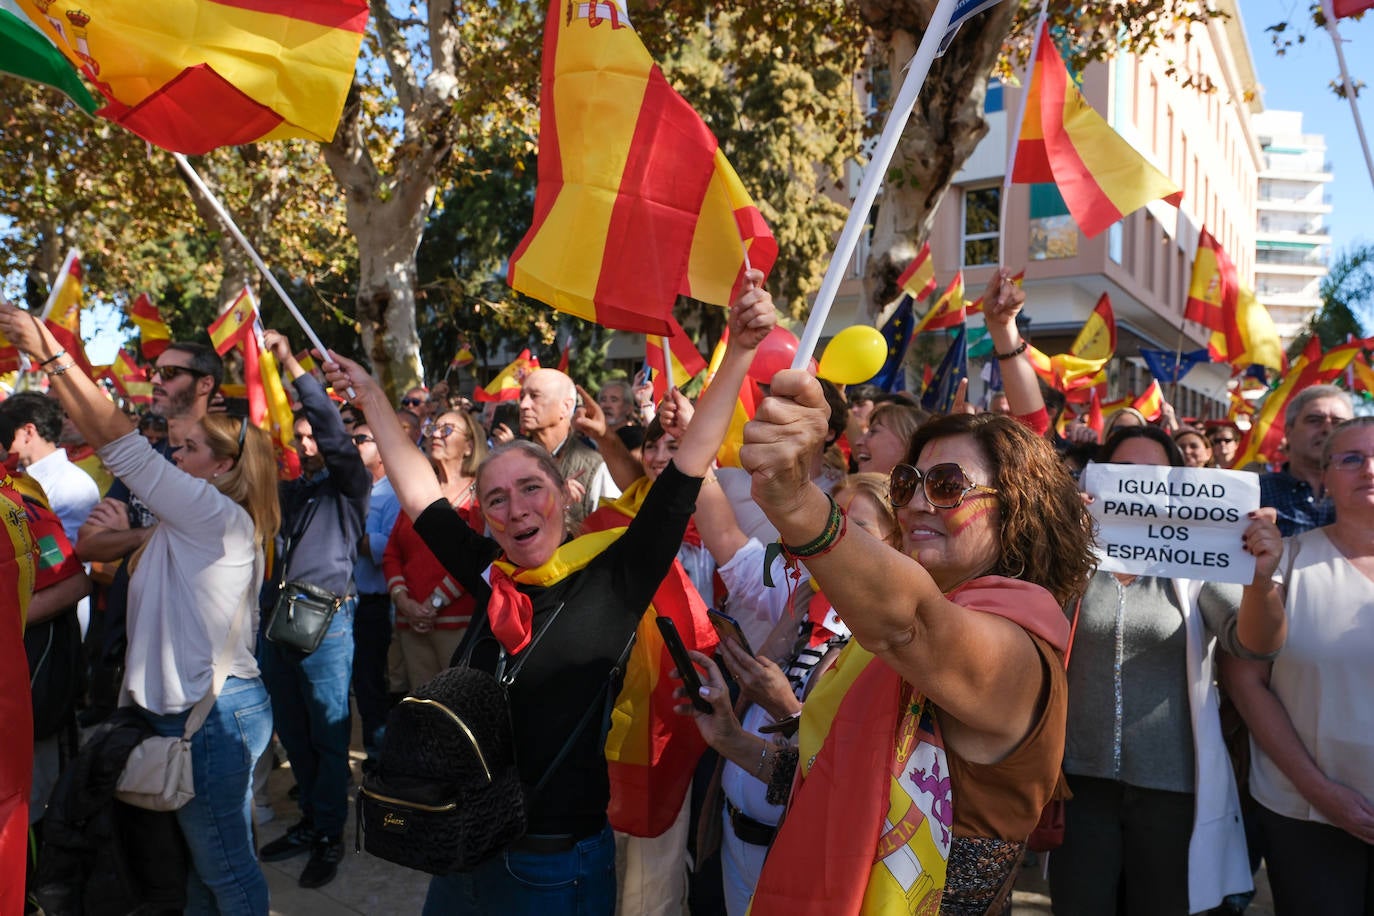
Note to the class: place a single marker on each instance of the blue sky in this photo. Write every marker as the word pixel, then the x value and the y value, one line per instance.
pixel 1298 82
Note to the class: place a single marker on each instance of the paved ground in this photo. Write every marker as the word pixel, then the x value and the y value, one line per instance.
pixel 368 885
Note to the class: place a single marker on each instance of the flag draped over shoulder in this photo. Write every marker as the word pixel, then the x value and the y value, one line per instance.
pixel 26 52
pixel 194 75
pixel 688 362
pixel 635 202
pixel 1063 140
pixel 506 385
pixel 153 333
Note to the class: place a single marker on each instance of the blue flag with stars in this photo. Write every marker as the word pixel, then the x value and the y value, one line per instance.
pixel 1168 366
pixel 953 369
pixel 896 332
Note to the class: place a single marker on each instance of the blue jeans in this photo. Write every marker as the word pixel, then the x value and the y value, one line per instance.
pixel 579 882
pixel 310 707
pixel 225 877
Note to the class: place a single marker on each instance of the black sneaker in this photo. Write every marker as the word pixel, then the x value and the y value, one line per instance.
pixel 325 855
pixel 296 841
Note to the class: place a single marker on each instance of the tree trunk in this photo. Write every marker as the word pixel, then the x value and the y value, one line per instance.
pixel 943 130
pixel 388 234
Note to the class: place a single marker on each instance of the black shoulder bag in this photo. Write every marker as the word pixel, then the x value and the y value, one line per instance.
pixel 302 612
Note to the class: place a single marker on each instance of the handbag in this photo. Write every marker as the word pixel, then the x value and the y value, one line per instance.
pixel 1048 834
pixel 446 794
pixel 302 613
pixel 158 774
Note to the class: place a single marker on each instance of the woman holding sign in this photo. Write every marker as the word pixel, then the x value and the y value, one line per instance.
pixel 1309 711
pixel 1155 820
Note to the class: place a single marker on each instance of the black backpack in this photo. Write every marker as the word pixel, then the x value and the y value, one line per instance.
pixel 446 794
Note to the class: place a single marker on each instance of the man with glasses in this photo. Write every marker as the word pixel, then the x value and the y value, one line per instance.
pixel 1224 436
pixel 185 378
pixel 323 512
pixel 1296 491
pixel 372 619
pixel 417 401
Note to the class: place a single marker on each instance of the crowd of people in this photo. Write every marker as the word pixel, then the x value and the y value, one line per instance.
pixel 906 652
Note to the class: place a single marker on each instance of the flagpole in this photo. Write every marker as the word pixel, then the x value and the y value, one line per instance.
pixel 48 306
pixel 253 255
pixel 917 70
pixel 1329 13
pixel 668 381
pixel 1017 115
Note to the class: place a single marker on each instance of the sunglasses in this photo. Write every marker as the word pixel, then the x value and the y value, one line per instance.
pixel 169 373
pixel 414 402
pixel 944 485
pixel 360 438
pixel 442 432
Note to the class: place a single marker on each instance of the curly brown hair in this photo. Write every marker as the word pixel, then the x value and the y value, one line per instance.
pixel 1046 534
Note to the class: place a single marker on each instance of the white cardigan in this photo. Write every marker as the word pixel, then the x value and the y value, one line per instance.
pixel 1218 861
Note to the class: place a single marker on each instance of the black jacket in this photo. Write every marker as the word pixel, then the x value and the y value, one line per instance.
pixel 101 857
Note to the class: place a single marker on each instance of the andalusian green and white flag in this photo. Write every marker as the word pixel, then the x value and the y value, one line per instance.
pixel 27 53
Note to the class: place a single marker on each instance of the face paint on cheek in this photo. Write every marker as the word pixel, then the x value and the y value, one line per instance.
pixel 493 523
pixel 965 514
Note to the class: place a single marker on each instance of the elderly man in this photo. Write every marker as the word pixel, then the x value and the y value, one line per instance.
pixel 1296 490
pixel 548 401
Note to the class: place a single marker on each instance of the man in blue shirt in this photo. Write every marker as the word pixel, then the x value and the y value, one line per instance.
pixel 1296 490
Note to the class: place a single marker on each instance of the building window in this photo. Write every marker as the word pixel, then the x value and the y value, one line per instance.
pixel 982 213
pixel 1053 233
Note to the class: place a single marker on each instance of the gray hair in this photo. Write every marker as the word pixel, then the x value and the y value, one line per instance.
pixel 1312 393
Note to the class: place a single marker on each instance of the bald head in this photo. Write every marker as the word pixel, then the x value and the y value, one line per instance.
pixel 547 400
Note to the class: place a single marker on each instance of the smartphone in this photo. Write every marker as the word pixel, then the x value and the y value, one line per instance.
pixel 728 627
pixel 685 669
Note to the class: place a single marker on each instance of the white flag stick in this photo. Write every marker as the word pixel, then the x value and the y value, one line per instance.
pixel 1330 14
pixel 1017 115
pixel 668 381
pixel 917 70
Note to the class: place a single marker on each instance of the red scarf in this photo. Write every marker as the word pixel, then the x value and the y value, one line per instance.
pixel 510 611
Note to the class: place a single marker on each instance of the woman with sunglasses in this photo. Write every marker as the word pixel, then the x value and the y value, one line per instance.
pixel 566 609
pixel 192 593
pixel 953 678
pixel 1154 820
pixel 1311 729
pixel 432 610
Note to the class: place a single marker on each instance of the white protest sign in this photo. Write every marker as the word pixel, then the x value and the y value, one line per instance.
pixel 1183 523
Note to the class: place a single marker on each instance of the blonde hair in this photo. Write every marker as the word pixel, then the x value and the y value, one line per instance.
pixel 875 487
pixel 477 438
pixel 252 481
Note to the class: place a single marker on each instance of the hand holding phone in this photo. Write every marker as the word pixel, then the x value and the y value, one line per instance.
pixel 685 669
pixel 728 627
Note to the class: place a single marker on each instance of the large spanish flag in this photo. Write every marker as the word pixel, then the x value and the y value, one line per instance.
pixel 1063 140
pixel 192 75
pixel 635 202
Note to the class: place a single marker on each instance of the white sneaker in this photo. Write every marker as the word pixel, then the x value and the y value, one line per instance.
pixel 263 814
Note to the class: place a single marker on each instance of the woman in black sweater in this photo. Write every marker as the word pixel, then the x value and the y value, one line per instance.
pixel 564 611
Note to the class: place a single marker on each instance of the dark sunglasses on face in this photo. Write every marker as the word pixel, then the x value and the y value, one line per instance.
pixel 360 438
pixel 168 373
pixel 414 402
pixel 944 485
pixel 1222 440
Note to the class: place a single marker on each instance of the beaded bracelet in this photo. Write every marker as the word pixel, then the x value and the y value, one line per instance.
pixel 59 370
pixel 1014 353
pixel 52 359
pixel 836 524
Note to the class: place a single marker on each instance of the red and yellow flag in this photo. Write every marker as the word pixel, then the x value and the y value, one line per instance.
pixel 506 385
pixel 65 300
pixel 1151 403
pixel 197 74
pixel 635 202
pixel 18 571
pixel 1214 290
pixel 1250 339
pixel 918 280
pixel 153 333
pixel 948 310
pixel 746 405
pixel 234 326
pixel 1063 140
pixel 1261 442
pixel 688 362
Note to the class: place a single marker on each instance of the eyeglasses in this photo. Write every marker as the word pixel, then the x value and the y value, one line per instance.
pixel 414 402
pixel 360 438
pixel 170 373
pixel 945 485
pixel 1350 461
pixel 442 432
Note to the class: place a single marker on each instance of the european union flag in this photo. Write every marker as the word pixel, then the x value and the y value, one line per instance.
pixel 1167 366
pixel 953 369
pixel 897 332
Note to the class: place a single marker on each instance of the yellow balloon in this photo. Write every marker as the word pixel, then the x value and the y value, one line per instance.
pixel 854 355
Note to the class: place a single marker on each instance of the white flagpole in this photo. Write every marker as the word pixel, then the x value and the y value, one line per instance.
pixel 917 71
pixel 57 286
pixel 1329 13
pixel 253 255
pixel 668 380
pixel 1016 116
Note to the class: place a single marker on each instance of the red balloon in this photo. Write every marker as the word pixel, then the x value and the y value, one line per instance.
pixel 776 353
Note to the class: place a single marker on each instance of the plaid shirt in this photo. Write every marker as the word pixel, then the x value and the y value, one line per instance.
pixel 1299 509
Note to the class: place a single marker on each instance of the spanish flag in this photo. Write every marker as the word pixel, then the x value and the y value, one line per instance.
pixel 948 310
pixel 1214 289
pixel 746 405
pixel 651 751
pixel 918 280
pixel 1251 339
pixel 1151 403
pixel 65 300
pixel 18 572
pixel 193 75
pixel 153 333
pixel 688 362
pixel 506 385
pixel 635 204
pixel 1064 141
pixel 1262 441
pixel 235 325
